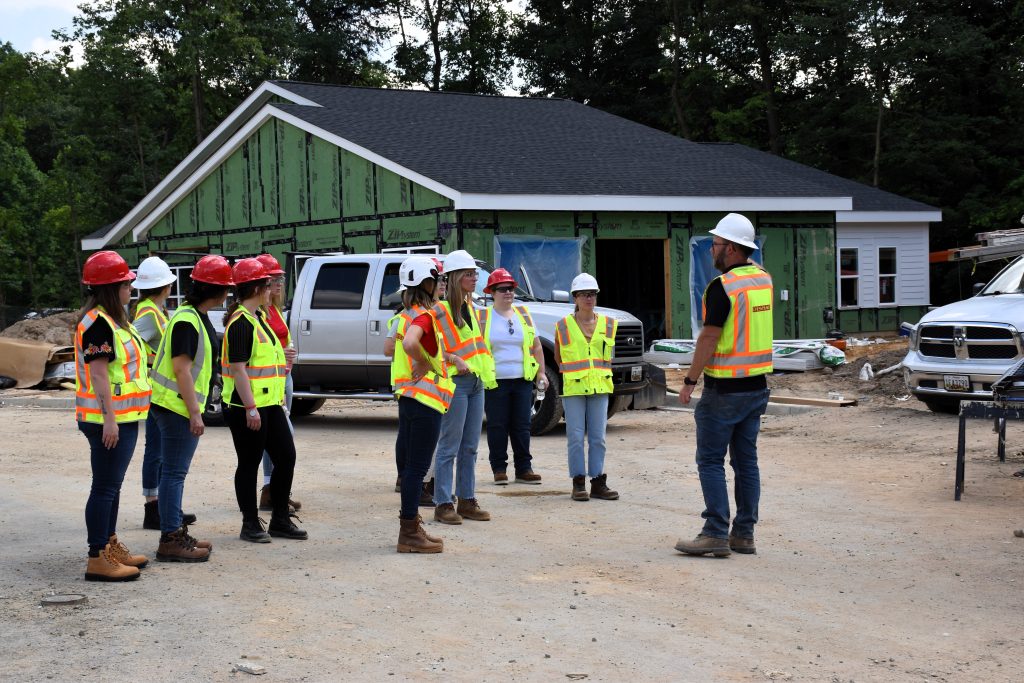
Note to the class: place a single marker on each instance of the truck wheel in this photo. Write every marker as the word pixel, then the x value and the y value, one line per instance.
pixel 944 406
pixel 617 403
pixel 213 414
pixel 547 410
pixel 301 407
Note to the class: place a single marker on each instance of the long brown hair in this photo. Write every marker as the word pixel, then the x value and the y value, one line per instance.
pixel 455 296
pixel 418 296
pixel 243 292
pixel 109 297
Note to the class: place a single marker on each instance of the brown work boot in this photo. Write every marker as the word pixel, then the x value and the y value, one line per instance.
pixel 199 544
pixel 413 539
pixel 579 488
pixel 599 489
pixel 527 477
pixel 501 479
pixel 178 546
pixel 267 504
pixel 119 553
pixel 446 514
pixel 470 509
pixel 106 568
pixel 427 494
pixel 742 545
pixel 398 485
pixel 432 539
pixel 702 545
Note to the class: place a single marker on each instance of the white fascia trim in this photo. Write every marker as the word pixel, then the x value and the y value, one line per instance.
pixel 257 98
pixel 369 155
pixel 570 202
pixel 888 216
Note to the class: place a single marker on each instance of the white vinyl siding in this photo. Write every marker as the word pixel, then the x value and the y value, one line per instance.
pixel 911 243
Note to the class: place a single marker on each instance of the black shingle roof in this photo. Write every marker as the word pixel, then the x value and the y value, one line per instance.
pixel 865 197
pixel 535 146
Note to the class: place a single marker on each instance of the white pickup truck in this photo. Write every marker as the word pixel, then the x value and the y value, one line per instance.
pixel 338 320
pixel 958 351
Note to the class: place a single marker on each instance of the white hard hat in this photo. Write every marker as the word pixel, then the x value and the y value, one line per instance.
pixel 584 282
pixel 736 228
pixel 414 270
pixel 458 260
pixel 153 273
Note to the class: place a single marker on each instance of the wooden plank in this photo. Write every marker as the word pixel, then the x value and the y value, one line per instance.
pixel 818 402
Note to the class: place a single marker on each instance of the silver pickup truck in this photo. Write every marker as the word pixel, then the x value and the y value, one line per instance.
pixel 338 319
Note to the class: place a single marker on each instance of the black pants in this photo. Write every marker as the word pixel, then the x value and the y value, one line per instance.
pixel 507 407
pixel 275 437
pixel 418 429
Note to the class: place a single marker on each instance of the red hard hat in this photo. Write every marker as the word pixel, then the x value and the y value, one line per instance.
pixel 248 270
pixel 498 276
pixel 271 264
pixel 105 268
pixel 214 270
pixel 439 264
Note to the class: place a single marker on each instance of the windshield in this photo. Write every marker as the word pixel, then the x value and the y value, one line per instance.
pixel 1008 281
pixel 485 269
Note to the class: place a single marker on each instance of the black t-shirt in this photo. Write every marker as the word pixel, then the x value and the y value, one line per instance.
pixel 185 339
pixel 716 312
pixel 240 345
pixel 98 342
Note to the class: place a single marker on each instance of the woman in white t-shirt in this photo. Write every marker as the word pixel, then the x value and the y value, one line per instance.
pixel 512 340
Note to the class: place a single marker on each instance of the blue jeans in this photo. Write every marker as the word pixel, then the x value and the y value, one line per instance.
pixel 151 458
pixel 177 445
pixel 729 422
pixel 586 415
pixel 418 429
pixel 508 418
pixel 268 464
pixel 108 468
pixel 460 436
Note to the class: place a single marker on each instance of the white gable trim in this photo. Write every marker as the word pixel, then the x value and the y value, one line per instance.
pixel 569 202
pixel 888 216
pixel 213 142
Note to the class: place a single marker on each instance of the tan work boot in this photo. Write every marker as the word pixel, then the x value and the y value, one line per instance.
pixel 599 489
pixel 738 544
pixel 178 546
pixel 702 545
pixel 579 488
pixel 106 568
pixel 413 539
pixel 119 553
pixel 446 514
pixel 470 509
pixel 432 539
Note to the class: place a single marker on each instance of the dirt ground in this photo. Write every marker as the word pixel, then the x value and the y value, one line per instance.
pixel 867 570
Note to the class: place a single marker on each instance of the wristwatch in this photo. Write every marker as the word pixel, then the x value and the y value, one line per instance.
pixel 253 412
pixel 689 382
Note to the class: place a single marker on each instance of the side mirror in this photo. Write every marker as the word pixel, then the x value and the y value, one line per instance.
pixel 976 289
pixel 560 295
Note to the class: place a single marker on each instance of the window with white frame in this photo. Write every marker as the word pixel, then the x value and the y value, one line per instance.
pixel 886 276
pixel 849 278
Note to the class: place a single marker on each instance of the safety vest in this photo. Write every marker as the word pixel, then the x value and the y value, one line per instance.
pixel 586 367
pixel 745 347
pixel 404 318
pixel 147 307
pixel 129 385
pixel 165 384
pixel 465 342
pixel 435 389
pixel 265 367
pixel 530 365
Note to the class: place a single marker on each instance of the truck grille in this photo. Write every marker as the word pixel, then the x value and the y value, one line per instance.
pixel 629 343
pixel 969 342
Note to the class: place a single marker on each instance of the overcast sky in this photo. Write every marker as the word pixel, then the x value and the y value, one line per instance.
pixel 27 24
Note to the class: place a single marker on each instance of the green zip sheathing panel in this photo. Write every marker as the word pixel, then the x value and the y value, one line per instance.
pixel 318 237
pixel 866 320
pixel 405 229
pixel 130 254
pixel 778 261
pixel 183 217
pixel 357 191
pixel 479 242
pixel 324 180
pixel 679 283
pixel 393 193
pixel 815 279
pixel 235 189
pixel 545 223
pixel 588 259
pixel 424 199
pixel 363 244
pixel 209 204
pixel 263 176
pixel 291 160
pixel 162 228
pixel 623 225
pixel 243 243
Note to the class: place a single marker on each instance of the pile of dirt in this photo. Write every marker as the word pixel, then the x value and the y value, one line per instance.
pixel 845 379
pixel 54 329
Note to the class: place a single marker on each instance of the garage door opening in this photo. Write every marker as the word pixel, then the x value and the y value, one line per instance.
pixel 632 278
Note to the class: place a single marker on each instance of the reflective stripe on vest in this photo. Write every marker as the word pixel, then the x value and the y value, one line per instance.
pixel 434 389
pixel 166 392
pixel 745 347
pixel 266 365
pixel 465 342
pixel 147 307
pixel 129 385
pixel 405 318
pixel 530 365
pixel 586 367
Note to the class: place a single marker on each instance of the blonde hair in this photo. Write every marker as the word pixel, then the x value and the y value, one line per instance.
pixel 456 296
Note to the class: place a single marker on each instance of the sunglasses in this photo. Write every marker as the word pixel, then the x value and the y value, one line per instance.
pixel 511 327
pixel 504 290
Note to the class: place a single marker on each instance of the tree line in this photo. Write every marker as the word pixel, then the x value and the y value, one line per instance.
pixel 922 98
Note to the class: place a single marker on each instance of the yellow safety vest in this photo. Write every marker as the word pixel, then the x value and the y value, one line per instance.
pixel 404 318
pixel 129 385
pixel 147 307
pixel 745 347
pixel 266 365
pixel 530 365
pixel 166 392
pixel 586 367
pixel 465 342
pixel 435 389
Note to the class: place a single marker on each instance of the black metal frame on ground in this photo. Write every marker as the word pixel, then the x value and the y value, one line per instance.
pixel 981 410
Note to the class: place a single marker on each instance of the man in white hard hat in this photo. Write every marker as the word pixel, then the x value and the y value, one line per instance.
pixel 734 355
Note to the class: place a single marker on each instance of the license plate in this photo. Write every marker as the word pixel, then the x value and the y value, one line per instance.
pixel 636 373
pixel 956 382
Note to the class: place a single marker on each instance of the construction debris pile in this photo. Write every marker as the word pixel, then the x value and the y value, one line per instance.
pixel 55 329
pixel 39 353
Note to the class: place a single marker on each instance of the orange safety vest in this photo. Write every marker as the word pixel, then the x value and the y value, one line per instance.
pixel 745 347
pixel 465 342
pixel 434 389
pixel 129 381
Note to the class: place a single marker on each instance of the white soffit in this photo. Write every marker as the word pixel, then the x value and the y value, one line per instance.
pixel 510 202
pixel 888 216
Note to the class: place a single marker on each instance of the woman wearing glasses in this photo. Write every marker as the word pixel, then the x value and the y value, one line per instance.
pixel 584 344
pixel 512 339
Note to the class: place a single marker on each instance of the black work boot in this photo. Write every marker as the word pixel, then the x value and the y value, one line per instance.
pixel 282 525
pixel 427 494
pixel 253 531
pixel 151 520
pixel 599 489
pixel 579 488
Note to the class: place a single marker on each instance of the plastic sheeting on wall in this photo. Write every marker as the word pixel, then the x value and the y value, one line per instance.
pixel 703 271
pixel 551 262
